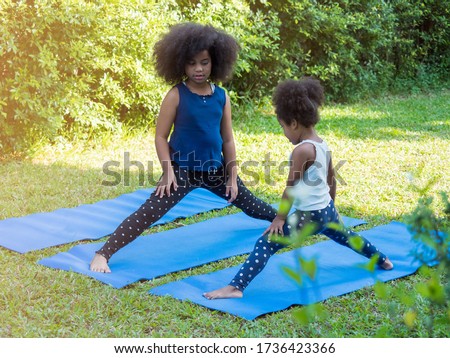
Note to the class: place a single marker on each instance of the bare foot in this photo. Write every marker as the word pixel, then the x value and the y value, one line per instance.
pixel 224 292
pixel 387 265
pixel 100 264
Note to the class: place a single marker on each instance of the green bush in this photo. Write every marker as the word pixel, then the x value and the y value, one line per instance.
pixel 79 66
pixel 43 48
pixel 69 65
pixel 360 48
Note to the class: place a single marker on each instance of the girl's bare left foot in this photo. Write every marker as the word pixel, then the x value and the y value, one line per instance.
pixel 224 292
pixel 387 265
pixel 99 264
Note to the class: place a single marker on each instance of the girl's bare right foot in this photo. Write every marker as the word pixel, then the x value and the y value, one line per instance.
pixel 224 292
pixel 99 264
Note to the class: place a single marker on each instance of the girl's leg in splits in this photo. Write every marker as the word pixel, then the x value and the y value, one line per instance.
pixel 249 204
pixel 343 237
pixel 265 248
pixel 255 263
pixel 149 212
pixel 245 200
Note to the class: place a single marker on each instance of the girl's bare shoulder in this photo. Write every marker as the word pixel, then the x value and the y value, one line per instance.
pixel 304 151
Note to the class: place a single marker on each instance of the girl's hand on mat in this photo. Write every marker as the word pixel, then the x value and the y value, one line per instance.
pixel 276 227
pixel 167 181
pixel 231 190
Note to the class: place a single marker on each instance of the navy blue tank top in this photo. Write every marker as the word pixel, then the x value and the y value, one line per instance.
pixel 196 141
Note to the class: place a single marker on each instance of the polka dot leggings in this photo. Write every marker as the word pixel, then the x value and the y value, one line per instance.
pixel 264 248
pixel 154 207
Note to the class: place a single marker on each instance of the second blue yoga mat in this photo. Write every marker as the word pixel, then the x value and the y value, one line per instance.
pixel 93 221
pixel 158 254
pixel 339 272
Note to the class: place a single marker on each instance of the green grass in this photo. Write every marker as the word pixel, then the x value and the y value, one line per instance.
pixel 380 144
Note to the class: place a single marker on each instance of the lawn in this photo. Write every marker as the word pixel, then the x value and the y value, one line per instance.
pixel 380 148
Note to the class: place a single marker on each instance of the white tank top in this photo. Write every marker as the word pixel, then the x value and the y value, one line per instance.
pixel 312 191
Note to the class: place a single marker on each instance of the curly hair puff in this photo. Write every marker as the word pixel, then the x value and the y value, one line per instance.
pixel 184 41
pixel 298 100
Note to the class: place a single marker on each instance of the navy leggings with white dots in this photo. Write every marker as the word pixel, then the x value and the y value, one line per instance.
pixel 264 248
pixel 155 207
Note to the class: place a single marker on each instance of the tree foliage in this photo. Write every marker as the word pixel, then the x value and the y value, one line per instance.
pixel 74 64
pixel 81 66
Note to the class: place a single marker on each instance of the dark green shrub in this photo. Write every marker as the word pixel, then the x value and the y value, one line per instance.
pixel 359 48
pixel 421 50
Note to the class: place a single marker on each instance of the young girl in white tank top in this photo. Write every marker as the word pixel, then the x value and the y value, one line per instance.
pixel 310 189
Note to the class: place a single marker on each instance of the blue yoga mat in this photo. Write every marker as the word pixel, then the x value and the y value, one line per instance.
pixel 158 254
pixel 339 272
pixel 93 221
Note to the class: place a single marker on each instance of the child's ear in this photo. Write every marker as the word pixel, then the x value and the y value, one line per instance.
pixel 294 124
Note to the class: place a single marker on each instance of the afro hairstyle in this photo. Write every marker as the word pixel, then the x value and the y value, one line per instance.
pixel 298 100
pixel 183 41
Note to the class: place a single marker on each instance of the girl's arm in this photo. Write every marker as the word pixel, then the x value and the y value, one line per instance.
pixel 229 151
pixel 163 126
pixel 331 180
pixel 302 157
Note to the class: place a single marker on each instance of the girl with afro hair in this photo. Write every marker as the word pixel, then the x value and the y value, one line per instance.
pixel 194 137
pixel 310 189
